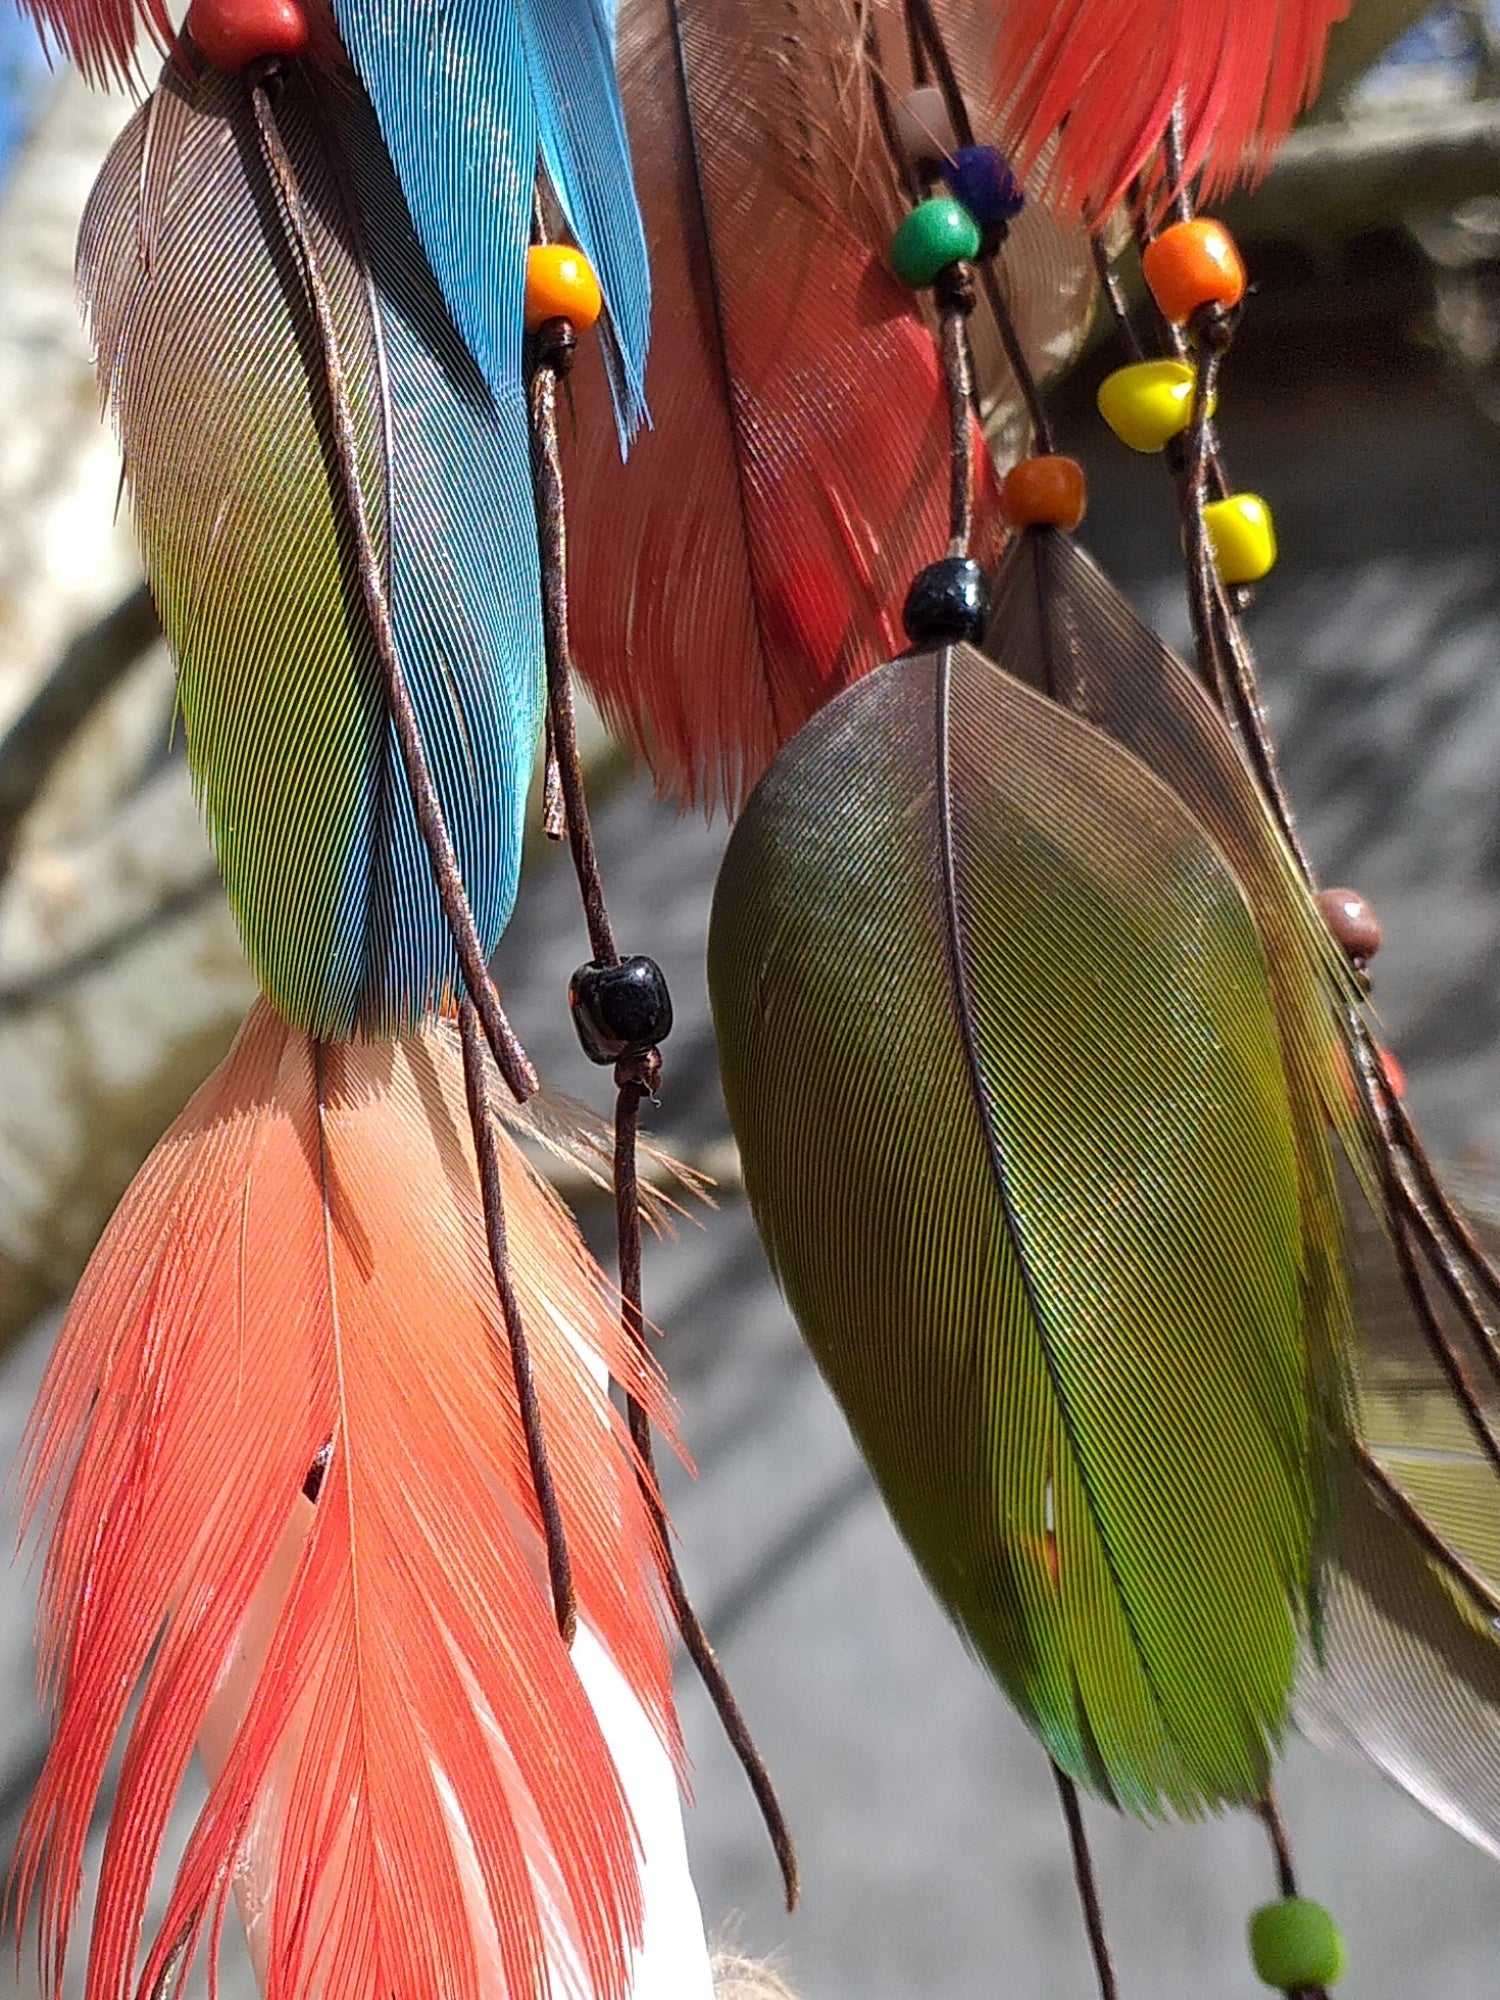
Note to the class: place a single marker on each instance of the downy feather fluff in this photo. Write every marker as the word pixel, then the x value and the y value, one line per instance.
pixel 754 555
pixel 302 1264
pixel 1103 78
pixel 211 368
pixel 995 1024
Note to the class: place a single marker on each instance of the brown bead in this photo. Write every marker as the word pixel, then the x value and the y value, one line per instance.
pixel 1354 924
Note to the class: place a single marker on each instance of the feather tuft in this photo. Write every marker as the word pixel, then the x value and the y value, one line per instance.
pixel 301 1265
pixel 101 36
pixel 1104 76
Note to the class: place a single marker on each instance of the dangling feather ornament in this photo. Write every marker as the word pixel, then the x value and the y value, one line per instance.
pixel 327 1447
pixel 299 1278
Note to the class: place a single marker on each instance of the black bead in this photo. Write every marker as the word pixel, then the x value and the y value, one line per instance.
pixel 949 600
pixel 620 1010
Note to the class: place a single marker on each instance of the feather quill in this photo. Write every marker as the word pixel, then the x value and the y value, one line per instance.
pixel 211 367
pixel 1103 78
pixel 302 1264
pixel 995 1024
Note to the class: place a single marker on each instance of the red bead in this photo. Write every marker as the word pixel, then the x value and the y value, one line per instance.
pixel 1353 923
pixel 233 34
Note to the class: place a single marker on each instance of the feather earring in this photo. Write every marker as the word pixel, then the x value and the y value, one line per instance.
pixel 917 903
pixel 334 458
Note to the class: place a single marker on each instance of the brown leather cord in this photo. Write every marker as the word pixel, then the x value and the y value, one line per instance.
pixel 1088 1886
pixel 636 1077
pixel 514 1064
pixel 1286 1873
pixel 482 1123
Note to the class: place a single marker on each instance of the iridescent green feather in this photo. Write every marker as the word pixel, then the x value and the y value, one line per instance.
pixel 1000 1051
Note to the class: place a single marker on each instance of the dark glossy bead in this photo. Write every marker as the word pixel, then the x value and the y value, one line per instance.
pixel 948 600
pixel 1354 924
pixel 979 177
pixel 620 1010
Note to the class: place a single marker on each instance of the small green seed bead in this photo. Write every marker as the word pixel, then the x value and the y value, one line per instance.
pixel 937 234
pixel 1296 1943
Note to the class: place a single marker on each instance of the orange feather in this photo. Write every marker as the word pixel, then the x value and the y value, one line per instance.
pixel 1105 74
pixel 302 1263
pixel 101 35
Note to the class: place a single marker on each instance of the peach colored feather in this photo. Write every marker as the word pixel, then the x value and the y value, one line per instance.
pixel 1104 76
pixel 302 1262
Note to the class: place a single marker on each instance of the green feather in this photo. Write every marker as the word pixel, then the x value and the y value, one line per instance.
pixel 1059 624
pixel 1000 1050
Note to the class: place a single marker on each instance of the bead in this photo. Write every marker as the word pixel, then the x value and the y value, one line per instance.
pixel 1046 492
pixel 1355 926
pixel 936 234
pixel 560 284
pixel 1242 536
pixel 1192 265
pixel 233 34
pixel 1295 1943
pixel 924 127
pixel 980 178
pixel 949 600
pixel 620 1010
pixel 1149 403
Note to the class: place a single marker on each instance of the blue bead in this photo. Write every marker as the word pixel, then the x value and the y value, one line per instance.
pixel 978 177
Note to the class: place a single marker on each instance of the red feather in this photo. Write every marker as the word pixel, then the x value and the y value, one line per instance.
pixel 1105 74
pixel 101 35
pixel 302 1263
pixel 753 556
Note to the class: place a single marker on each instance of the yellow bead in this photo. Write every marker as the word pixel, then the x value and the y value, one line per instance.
pixel 560 284
pixel 1149 403
pixel 1242 536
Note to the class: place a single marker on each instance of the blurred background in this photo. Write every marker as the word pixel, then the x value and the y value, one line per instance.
pixel 1363 400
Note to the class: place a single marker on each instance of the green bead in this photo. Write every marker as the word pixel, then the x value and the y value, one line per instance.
pixel 937 234
pixel 1296 1943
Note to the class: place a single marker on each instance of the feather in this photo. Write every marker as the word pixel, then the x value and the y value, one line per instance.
pixel 211 367
pixel 1059 624
pixel 996 1030
pixel 302 1264
pixel 101 35
pixel 754 555
pixel 1407 1670
pixel 1104 77
pixel 469 96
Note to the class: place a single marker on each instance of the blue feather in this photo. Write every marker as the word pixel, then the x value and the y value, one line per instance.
pixel 470 94
pixel 465 598
pixel 214 371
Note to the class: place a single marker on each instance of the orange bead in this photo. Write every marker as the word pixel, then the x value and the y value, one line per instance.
pixel 1191 265
pixel 560 284
pixel 1047 492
